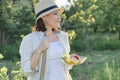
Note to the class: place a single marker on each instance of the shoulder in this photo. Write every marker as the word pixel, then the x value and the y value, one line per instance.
pixel 62 33
pixel 32 36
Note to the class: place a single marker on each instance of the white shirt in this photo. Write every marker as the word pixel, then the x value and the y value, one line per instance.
pixel 56 66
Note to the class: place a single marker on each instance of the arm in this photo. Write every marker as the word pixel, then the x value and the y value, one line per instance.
pixel 35 59
pixel 68 49
pixel 25 55
pixel 36 54
pixel 30 58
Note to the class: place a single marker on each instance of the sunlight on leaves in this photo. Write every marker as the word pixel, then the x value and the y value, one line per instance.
pixel 3 73
pixel 22 35
pixel 71 34
pixel 1 56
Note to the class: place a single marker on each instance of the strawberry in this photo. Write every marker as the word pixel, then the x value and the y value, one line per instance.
pixel 75 56
pixel 73 59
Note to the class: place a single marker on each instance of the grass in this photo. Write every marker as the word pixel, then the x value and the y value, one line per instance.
pixel 100 65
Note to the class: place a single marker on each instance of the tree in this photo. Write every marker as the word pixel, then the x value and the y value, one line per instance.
pixel 17 18
pixel 80 16
pixel 107 16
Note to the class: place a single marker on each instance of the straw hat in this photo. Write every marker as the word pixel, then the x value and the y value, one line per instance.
pixel 45 7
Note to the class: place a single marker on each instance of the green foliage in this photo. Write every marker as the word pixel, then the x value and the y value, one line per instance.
pixel 109 72
pixel 100 65
pixel 107 45
pixel 1 56
pixel 3 73
pixel 78 45
pixel 16 19
pixel 11 71
pixel 10 51
pixel 97 15
pixel 17 74
pixel 71 34
pixel 100 41
pixel 107 15
pixel 80 15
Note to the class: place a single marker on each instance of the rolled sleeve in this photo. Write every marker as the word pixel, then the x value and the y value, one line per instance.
pixel 26 51
pixel 69 66
pixel 68 44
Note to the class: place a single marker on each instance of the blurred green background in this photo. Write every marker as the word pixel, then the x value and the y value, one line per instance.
pixel 93 27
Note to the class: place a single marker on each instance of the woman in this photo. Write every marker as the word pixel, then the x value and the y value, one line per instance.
pixel 49 38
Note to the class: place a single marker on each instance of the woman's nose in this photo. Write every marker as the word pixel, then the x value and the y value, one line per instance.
pixel 59 17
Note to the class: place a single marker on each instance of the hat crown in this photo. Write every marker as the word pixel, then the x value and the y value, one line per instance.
pixel 45 7
pixel 43 4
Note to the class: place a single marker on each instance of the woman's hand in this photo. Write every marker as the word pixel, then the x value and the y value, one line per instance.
pixel 36 56
pixel 73 59
pixel 43 45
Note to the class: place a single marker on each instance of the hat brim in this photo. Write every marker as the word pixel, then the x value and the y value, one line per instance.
pixel 60 10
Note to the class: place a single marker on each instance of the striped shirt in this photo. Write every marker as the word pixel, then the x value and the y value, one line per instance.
pixel 29 43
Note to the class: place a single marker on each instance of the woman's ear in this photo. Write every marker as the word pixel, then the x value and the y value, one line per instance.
pixel 43 18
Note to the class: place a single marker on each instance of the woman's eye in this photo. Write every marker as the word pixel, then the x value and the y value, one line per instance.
pixel 55 13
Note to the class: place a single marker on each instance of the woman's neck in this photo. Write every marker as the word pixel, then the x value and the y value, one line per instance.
pixel 49 32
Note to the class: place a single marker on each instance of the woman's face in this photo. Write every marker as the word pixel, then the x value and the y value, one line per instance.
pixel 53 20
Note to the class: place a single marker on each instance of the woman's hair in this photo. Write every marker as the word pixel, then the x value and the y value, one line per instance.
pixel 40 26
